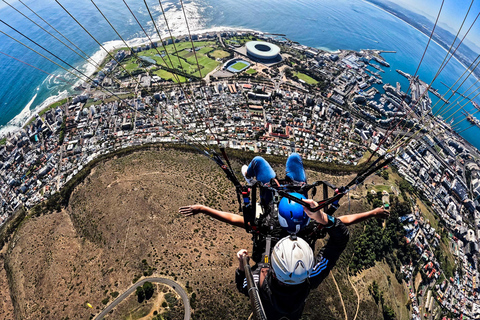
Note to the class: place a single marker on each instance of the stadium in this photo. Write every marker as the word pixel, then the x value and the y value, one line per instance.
pixel 236 65
pixel 262 50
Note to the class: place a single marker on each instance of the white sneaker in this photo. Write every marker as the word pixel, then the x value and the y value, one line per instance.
pixel 244 173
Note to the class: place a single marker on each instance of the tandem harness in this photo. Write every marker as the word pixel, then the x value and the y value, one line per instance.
pixel 264 225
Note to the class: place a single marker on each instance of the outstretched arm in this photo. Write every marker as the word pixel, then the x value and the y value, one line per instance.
pixel 359 217
pixel 228 217
pixel 347 220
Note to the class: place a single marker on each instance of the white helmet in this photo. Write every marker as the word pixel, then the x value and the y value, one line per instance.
pixel 292 260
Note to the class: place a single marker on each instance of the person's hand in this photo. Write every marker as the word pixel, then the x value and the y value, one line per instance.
pixel 381 213
pixel 318 216
pixel 240 255
pixel 190 210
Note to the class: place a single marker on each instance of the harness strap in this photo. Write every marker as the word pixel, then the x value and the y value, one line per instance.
pixel 266 256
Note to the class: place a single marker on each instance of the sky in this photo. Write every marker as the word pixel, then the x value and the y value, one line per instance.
pixel 452 15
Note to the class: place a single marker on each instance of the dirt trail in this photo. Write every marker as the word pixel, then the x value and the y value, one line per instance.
pixel 356 292
pixel 340 294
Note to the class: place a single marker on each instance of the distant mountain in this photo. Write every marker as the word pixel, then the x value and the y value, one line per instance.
pixel 442 36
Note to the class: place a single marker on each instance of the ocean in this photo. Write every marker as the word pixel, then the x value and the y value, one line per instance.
pixel 325 24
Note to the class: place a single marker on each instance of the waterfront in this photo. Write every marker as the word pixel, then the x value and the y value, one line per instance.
pixel 332 25
pixel 274 110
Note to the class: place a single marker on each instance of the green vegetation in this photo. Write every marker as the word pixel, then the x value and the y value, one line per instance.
pixel 148 289
pixel 45 110
pixel 92 102
pixel 382 188
pixel 12 224
pixel 135 278
pixel 181 57
pixel 388 312
pixel 52 106
pixel 442 253
pixel 239 40
pixel 305 78
pixel 377 243
pixel 62 198
pixel 131 66
pixel 169 76
pixel 171 299
pixel 63 127
pixel 206 50
pixel 445 257
pixel 140 294
pixel 251 71
pixel 3 141
pixel 147 270
pixel 239 65
pixel 219 54
pixel 385 174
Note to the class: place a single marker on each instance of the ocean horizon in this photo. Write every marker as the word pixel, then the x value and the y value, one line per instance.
pixel 331 26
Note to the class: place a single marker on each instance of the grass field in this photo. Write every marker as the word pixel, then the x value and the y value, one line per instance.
pixel 168 76
pixel 239 66
pixel 219 54
pixel 182 58
pixel 240 40
pixel 130 66
pixel 251 71
pixel 382 188
pixel 306 78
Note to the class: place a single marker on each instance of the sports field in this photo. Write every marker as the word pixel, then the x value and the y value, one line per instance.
pixel 306 78
pixel 180 56
pixel 239 66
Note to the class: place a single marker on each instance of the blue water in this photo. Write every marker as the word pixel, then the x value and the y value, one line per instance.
pixel 326 24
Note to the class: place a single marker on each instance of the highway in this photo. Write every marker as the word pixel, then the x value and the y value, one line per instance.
pixel 130 290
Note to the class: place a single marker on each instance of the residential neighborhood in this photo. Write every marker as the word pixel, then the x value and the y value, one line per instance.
pixel 329 107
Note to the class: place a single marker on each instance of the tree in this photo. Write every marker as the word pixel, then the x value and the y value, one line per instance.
pixel 402 209
pixel 369 197
pixel 398 276
pixel 373 289
pixel 377 203
pixel 388 313
pixel 140 294
pixel 385 174
pixel 148 289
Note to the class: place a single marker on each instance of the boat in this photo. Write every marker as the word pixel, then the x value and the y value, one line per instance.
pixel 476 105
pixel 471 119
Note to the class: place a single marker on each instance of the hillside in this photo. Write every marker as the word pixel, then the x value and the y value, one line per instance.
pixel 125 212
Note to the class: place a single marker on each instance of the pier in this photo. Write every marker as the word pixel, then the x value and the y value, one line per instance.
pixel 454 91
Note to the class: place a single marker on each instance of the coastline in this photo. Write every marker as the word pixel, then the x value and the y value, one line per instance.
pixel 100 55
pixel 26 114
pixel 433 40
pixel 21 119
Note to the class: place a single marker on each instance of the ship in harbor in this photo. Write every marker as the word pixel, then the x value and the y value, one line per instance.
pixel 406 75
pixel 471 118
pixel 476 105
pixel 381 61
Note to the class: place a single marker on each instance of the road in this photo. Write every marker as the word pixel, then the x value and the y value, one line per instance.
pixel 219 36
pixel 130 290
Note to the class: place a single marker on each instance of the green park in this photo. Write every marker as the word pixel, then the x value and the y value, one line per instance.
pixel 197 61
